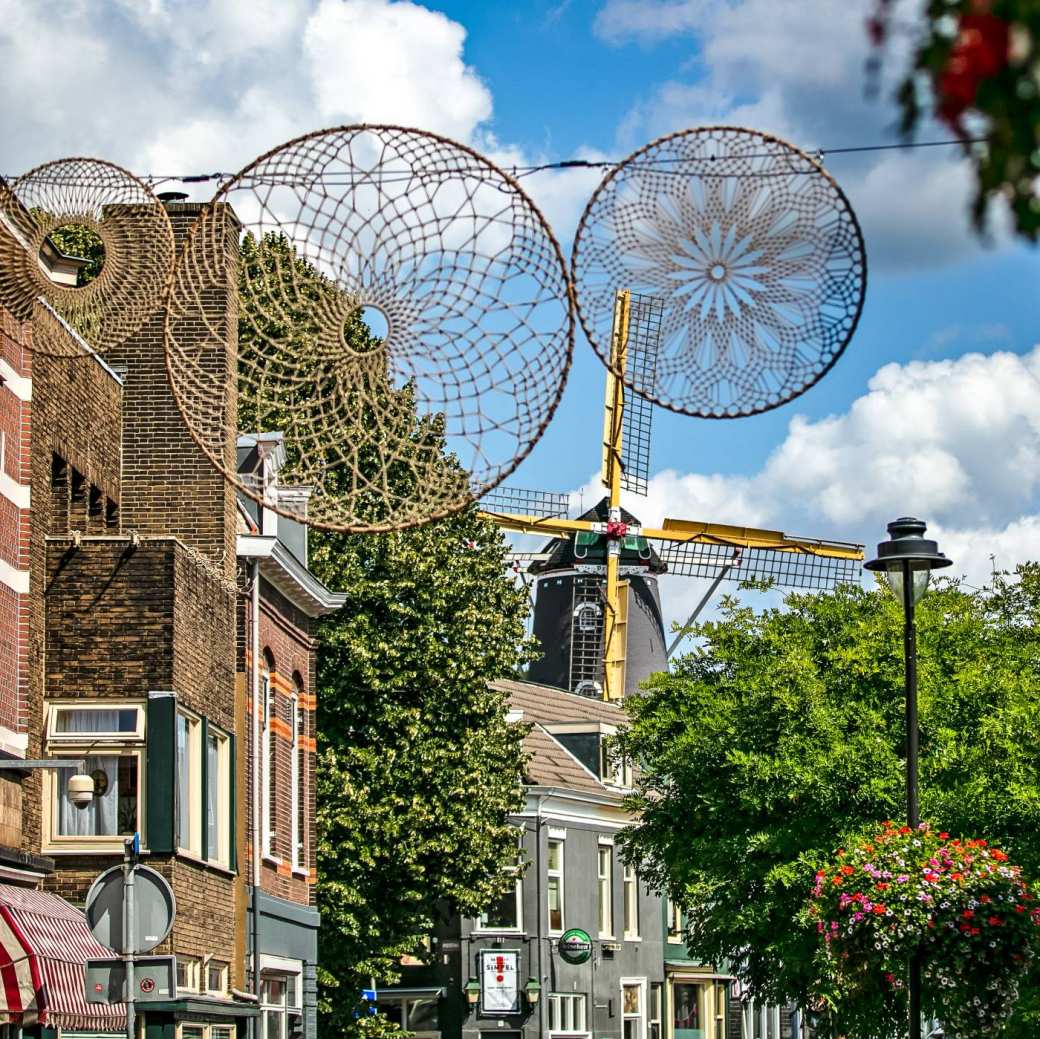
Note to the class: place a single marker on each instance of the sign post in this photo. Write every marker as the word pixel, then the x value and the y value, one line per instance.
pixel 130 909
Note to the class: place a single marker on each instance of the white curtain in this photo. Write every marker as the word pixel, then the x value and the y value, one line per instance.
pixel 100 817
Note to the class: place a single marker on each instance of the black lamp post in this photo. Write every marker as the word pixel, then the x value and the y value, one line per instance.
pixel 907 560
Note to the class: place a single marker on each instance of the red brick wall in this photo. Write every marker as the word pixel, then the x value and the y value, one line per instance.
pixel 285 637
pixel 15 429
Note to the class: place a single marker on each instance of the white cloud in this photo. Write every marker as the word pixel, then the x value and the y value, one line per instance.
pixel 373 61
pixel 797 70
pixel 620 21
pixel 166 87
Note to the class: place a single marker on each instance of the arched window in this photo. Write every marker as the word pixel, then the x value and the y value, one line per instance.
pixel 299 775
pixel 268 773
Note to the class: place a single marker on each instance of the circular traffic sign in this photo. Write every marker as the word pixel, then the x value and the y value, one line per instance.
pixel 154 909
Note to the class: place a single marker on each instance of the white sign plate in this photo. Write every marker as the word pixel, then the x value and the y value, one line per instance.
pixel 499 986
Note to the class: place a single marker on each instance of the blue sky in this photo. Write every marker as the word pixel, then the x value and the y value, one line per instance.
pixel 942 369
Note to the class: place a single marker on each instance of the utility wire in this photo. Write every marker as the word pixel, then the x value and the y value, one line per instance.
pixel 679 166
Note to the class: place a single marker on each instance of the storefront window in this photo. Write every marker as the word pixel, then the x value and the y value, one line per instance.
pixel 279 997
pixel 419 1014
pixel 567 1013
pixel 687 1019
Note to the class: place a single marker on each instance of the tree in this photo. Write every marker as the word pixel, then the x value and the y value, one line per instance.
pixel 974 64
pixel 783 735
pixel 417 765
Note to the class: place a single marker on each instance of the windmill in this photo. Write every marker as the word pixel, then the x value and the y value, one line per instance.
pixel 599 565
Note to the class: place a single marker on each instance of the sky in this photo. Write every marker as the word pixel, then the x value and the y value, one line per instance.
pixel 933 410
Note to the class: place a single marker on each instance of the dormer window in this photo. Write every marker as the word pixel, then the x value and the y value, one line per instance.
pixel 613 769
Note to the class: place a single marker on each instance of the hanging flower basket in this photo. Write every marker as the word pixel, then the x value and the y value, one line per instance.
pixel 895 891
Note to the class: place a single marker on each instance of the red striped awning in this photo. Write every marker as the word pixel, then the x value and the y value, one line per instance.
pixel 44 943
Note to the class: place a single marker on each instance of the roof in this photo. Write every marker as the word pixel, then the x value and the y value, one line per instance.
pixel 546 703
pixel 550 763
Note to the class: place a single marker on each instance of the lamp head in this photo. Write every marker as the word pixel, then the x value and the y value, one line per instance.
pixel 908 551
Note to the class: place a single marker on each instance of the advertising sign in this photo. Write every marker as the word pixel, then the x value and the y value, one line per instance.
pixel 575 946
pixel 499 984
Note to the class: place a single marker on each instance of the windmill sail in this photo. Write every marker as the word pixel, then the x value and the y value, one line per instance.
pixel 786 568
pixel 644 339
pixel 519 501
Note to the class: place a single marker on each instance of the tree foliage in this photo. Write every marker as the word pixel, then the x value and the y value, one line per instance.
pixel 783 735
pixel 417 766
pixel 976 65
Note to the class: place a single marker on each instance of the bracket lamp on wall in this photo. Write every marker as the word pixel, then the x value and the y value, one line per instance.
pixel 533 991
pixel 472 991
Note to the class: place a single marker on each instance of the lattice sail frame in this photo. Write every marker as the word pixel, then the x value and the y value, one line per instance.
pixel 755 253
pixel 134 231
pixel 641 348
pixel 474 290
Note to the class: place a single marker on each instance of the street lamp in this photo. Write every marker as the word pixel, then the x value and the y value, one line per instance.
pixel 906 561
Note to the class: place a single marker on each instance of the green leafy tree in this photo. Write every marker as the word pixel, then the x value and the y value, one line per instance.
pixel 783 735
pixel 974 65
pixel 417 766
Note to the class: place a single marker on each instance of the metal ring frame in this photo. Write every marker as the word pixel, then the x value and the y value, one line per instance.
pixel 754 253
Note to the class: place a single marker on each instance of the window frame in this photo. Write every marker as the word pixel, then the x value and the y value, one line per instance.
pixel 56 843
pixel 559 875
pixel 554 1008
pixel 655 1010
pixel 298 778
pixel 605 889
pixel 630 903
pixel 223 822
pixel 405 1002
pixel 192 965
pixel 277 968
pixel 673 922
pixel 195 806
pixel 225 974
pixel 267 803
pixel 640 984
pixel 55 708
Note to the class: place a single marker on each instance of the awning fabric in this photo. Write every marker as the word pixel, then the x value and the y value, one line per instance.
pixel 44 942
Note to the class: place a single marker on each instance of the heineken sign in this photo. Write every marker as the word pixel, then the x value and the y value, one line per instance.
pixel 575 946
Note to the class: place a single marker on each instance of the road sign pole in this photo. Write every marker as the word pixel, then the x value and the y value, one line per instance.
pixel 129 932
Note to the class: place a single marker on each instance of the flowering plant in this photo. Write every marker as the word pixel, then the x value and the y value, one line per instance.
pixel 894 892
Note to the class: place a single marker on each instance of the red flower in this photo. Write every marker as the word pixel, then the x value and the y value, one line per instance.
pixel 994 921
pixel 944 836
pixel 879 909
pixel 968 914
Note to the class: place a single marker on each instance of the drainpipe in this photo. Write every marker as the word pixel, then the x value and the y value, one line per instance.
pixel 541 908
pixel 255 780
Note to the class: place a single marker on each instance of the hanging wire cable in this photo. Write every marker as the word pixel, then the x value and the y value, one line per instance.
pixel 677 166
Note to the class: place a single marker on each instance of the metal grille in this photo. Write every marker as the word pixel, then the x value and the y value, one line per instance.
pixel 587 632
pixel 518 562
pixel 522 502
pixel 787 569
pixel 644 338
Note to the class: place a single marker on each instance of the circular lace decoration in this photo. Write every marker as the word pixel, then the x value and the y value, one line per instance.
pixel 752 253
pixel 96 198
pixel 382 428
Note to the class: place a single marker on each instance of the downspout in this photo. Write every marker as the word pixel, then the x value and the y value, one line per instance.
pixel 255 780
pixel 541 908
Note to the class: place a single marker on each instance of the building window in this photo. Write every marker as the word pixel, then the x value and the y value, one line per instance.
pixel 605 864
pixel 613 768
pixel 674 921
pixel 189 777
pixel 554 887
pixel 418 1015
pixel 115 736
pixel 299 777
pixel 761 1022
pixel 187 974
pixel 216 977
pixel 654 1017
pixel 280 998
pixel 218 796
pixel 268 772
pixel 699 1012
pixel 567 1013
pixel 631 883
pixel 506 914
pixel 633 1013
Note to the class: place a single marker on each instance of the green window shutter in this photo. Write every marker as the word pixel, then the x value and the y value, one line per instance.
pixel 232 805
pixel 161 768
pixel 204 727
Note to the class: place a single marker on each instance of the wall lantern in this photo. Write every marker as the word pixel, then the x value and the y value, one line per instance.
pixel 533 991
pixel 472 990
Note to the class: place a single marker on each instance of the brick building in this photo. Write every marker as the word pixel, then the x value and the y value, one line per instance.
pixel 137 595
